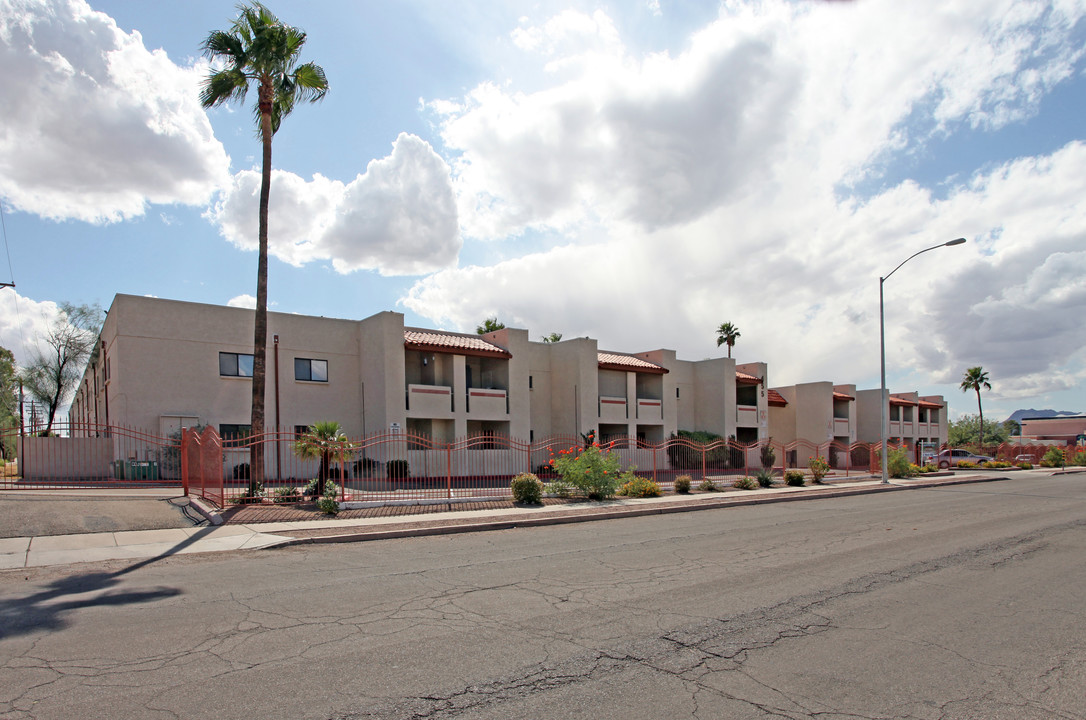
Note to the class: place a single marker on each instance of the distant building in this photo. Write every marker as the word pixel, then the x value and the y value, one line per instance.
pixel 1069 429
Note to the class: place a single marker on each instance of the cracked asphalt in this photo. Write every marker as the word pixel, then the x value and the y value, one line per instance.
pixel 937 604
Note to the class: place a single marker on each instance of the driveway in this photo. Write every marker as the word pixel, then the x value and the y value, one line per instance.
pixel 53 513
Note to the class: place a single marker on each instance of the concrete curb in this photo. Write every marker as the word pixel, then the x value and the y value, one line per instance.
pixel 209 511
pixel 593 514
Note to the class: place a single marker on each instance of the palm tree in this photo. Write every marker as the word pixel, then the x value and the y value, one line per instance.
pixel 324 440
pixel 726 334
pixel 974 379
pixel 260 49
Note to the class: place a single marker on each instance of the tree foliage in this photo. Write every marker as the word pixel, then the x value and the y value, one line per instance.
pixel 56 367
pixel 966 431
pixel 490 325
pixel 9 399
pixel 553 337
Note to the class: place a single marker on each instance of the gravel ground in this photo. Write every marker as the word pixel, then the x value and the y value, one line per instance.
pixel 34 515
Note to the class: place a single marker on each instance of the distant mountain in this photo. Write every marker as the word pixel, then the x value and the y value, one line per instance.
pixel 1020 415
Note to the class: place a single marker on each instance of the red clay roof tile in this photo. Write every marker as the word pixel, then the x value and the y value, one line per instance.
pixel 627 363
pixel 455 343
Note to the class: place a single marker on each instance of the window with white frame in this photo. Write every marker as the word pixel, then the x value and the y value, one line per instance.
pixel 310 370
pixel 235 364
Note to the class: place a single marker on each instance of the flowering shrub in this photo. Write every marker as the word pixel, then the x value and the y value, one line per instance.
pixel 745 483
pixel 819 467
pixel 929 468
pixel 592 471
pixel 634 486
pixel 966 464
pixel 996 464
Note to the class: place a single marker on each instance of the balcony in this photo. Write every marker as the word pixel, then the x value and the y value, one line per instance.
pixel 429 400
pixel 487 403
pixel 746 416
pixel 613 409
pixel 649 410
pixel 840 427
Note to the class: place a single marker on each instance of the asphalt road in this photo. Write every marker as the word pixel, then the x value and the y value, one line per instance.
pixel 952 603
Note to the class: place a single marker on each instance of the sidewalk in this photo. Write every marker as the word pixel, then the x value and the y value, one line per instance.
pixel 26 552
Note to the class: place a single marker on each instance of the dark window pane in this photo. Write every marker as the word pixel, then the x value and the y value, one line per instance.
pixel 228 364
pixel 301 369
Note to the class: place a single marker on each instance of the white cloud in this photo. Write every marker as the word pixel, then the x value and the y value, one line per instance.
pixel 22 322
pixel 93 125
pixel 706 187
pixel 242 301
pixel 398 217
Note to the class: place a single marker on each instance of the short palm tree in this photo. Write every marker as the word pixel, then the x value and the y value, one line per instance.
pixel 974 379
pixel 324 440
pixel 260 49
pixel 726 334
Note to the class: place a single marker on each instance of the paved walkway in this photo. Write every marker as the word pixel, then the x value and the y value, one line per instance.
pixel 25 552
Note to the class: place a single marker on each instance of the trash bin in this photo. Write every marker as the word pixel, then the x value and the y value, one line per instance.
pixel 141 470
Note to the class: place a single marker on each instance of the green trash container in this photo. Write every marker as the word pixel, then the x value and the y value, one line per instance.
pixel 142 470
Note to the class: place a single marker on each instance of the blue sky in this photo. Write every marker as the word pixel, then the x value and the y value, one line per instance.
pixel 635 172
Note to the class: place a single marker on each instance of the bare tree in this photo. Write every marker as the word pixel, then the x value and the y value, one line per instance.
pixel 54 370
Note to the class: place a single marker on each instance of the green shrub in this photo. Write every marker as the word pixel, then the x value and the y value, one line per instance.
pixel 708 485
pixel 745 483
pixel 330 488
pixel 898 465
pixel 929 468
pixel 559 488
pixel 634 486
pixel 1078 459
pixel 819 469
pixel 398 469
pixel 996 464
pixel 794 478
pixel 768 455
pixel 682 484
pixel 1054 457
pixel 527 489
pixel 1026 465
pixel 764 478
pixel 287 494
pixel 966 464
pixel 594 472
pixel 328 504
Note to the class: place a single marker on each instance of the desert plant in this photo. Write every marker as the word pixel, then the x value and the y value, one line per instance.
pixel 745 483
pixel 794 478
pixel 634 486
pixel 1054 457
pixel 594 472
pixel 764 478
pixel 288 494
pixel 898 465
pixel 682 484
pixel 398 469
pixel 708 485
pixel 559 488
pixel 527 489
pixel 819 468
pixel 768 455
pixel 324 440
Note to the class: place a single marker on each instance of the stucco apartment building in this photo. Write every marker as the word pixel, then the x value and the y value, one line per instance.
pixel 166 364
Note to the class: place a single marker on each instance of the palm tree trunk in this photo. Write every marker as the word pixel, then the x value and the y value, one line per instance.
pixel 980 410
pixel 260 326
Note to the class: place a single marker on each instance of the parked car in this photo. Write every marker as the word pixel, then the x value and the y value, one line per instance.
pixel 1023 458
pixel 954 457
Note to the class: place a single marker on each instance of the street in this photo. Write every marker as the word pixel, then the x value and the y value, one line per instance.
pixel 956 602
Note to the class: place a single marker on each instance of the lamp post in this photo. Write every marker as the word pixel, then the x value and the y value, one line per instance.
pixel 885 398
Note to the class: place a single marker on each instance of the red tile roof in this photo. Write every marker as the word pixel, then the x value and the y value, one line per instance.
pixel 842 396
pixel 456 343
pixel 628 363
pixel 776 399
pixel 746 379
pixel 898 400
pixel 930 405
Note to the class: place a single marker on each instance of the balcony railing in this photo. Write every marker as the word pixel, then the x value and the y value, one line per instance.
pixel 487 403
pixel 650 410
pixel 613 409
pixel 746 415
pixel 429 400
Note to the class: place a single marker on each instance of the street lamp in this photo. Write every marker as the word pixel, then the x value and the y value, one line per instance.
pixel 882 350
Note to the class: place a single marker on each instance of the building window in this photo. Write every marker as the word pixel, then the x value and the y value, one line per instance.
pixel 529 382
pixel 300 430
pixel 235 364
pixel 676 393
pixel 310 370
pixel 234 434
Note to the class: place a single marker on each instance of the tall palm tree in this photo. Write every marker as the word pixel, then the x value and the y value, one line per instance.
pixel 260 49
pixel 974 379
pixel 726 334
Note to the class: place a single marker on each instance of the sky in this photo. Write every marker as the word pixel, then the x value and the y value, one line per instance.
pixel 635 172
